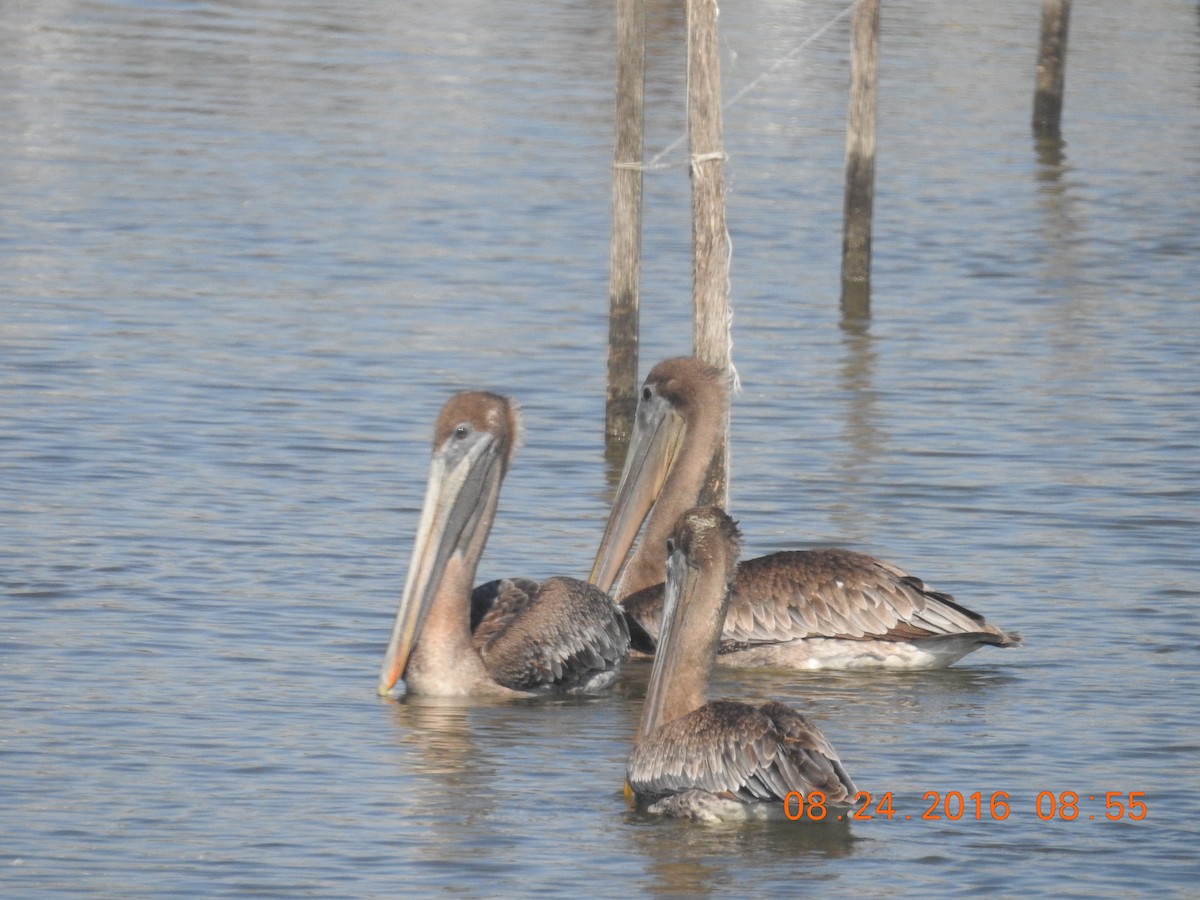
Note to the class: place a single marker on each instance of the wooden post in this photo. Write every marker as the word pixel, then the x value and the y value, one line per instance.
pixel 710 239
pixel 859 203
pixel 1051 68
pixel 626 241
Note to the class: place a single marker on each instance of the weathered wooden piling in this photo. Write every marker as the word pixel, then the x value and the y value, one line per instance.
pixel 626 241
pixel 1051 68
pixel 858 208
pixel 710 239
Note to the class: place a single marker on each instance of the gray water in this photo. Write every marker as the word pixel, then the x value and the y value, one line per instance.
pixel 248 249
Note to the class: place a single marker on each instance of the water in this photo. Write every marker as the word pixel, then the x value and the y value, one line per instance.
pixel 247 250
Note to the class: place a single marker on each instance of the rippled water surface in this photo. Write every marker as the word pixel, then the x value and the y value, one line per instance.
pixel 248 249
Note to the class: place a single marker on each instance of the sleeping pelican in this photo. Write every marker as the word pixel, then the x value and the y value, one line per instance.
pixel 806 609
pixel 719 760
pixel 561 634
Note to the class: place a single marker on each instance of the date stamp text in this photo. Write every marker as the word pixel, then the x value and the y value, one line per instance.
pixel 1066 806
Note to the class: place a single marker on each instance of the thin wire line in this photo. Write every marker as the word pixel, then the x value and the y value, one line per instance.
pixel 657 163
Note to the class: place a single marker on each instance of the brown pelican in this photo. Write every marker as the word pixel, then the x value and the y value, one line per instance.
pixel 560 634
pixel 808 609
pixel 723 759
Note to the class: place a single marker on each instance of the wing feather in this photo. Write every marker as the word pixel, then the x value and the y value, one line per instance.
pixel 829 593
pixel 559 634
pixel 737 751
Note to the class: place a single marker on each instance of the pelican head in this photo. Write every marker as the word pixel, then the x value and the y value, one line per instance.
pixel 680 414
pixel 702 555
pixel 473 440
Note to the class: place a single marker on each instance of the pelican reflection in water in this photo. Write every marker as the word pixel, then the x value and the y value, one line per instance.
pixel 560 634
pixel 809 609
pixel 720 760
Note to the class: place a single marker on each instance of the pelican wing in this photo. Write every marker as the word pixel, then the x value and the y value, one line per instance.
pixel 558 634
pixel 829 593
pixel 737 751
pixel 839 593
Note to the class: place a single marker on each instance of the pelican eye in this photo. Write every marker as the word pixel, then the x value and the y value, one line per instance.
pixel 462 431
pixel 670 546
pixel 647 393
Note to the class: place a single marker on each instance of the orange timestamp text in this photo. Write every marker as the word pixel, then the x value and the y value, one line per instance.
pixel 1066 806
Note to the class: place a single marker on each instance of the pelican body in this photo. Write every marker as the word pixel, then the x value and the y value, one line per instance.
pixel 724 759
pixel 522 636
pixel 808 609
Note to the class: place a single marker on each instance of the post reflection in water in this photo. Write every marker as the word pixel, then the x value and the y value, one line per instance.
pixel 1058 223
pixel 864 440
